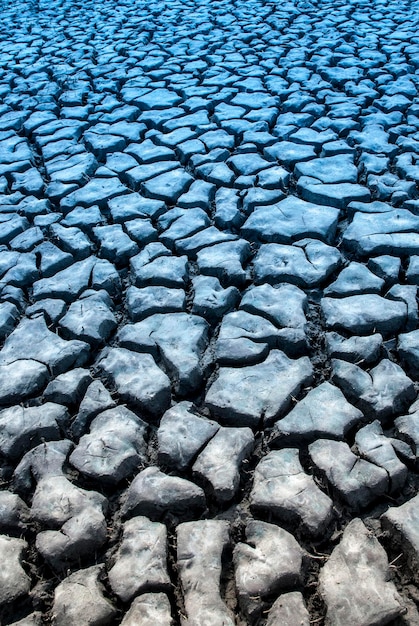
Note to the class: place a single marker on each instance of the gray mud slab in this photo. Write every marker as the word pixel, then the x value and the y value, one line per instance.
pixel 264 401
pixel 200 546
pixel 289 610
pixel 364 314
pixel 82 593
pixel 283 490
pixel 23 428
pixel 324 412
pixel 14 581
pixel 158 495
pixel 219 464
pixel 258 571
pixel 384 451
pixel 81 535
pixel 354 581
pixel 307 263
pixel 402 522
pixel 137 378
pixel 114 447
pixel 149 609
pixel 382 392
pixel 357 481
pixel 180 339
pixel 140 563
pixel 14 514
pixel 182 435
pixel 289 220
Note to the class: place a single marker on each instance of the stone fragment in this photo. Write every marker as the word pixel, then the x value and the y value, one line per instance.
pixel 248 163
pixel 97 191
pixel 207 237
pixel 14 581
pixel 374 446
pixel 164 270
pixel 357 481
pixel 227 212
pixel 81 593
pixel 383 391
pixel 157 495
pixel 179 223
pixel 408 295
pixel 269 561
pixel 218 465
pixel 408 427
pixel 324 412
pixel 200 194
pixel 138 380
pixel 289 610
pixel 354 581
pixel 179 339
pixel 72 240
pixel 244 396
pixel 200 546
pixel 85 219
pixel 18 269
pixel 132 205
pixel 141 173
pixel 403 524
pixel 51 259
pixel 11 227
pixel 182 435
pixel 141 560
pixel 149 609
pixel 387 267
pixel 282 489
pixel 307 263
pixel 290 153
pixel 22 428
pixel 114 448
pixel 364 314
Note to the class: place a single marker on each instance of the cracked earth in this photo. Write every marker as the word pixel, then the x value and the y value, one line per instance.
pixel 209 329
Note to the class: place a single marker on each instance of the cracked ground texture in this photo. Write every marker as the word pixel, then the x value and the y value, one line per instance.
pixel 209 329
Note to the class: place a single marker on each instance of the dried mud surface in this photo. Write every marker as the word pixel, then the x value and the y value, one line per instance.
pixel 209 335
